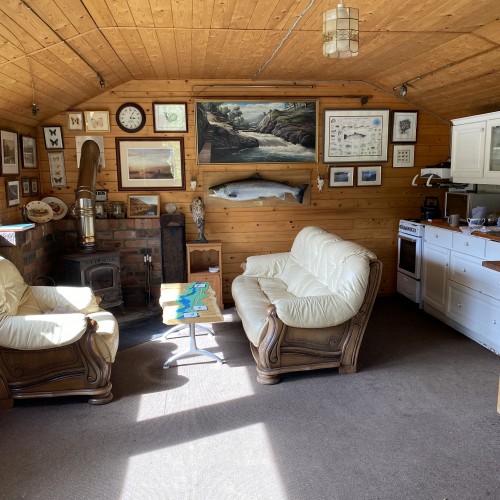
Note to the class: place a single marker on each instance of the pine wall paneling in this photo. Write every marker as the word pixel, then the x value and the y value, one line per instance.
pixel 367 215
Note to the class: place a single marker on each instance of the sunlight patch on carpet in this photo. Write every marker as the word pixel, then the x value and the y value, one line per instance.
pixel 233 464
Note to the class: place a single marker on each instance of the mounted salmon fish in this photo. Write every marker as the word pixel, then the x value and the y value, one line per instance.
pixel 255 188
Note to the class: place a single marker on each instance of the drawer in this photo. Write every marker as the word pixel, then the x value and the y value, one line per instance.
pixel 492 250
pixel 438 236
pixel 471 245
pixel 469 272
pixel 476 312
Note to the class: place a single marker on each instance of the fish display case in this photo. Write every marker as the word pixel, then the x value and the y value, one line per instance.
pixel 204 263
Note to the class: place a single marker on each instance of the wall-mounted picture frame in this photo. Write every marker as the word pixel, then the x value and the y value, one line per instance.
pixel 355 135
pixel 143 205
pixel 404 126
pixel 256 131
pixel 34 191
pixel 13 193
pixel 341 176
pixel 57 169
pixel 170 117
pixel 97 121
pixel 10 153
pixel 28 152
pixel 25 186
pixel 369 176
pixel 403 156
pixel 53 137
pixel 75 120
pixel 149 163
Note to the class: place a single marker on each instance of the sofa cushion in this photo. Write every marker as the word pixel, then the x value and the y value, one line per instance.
pixel 12 287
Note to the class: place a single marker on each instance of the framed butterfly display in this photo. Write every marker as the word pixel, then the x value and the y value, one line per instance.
pixel 57 169
pixel 53 137
pixel 75 120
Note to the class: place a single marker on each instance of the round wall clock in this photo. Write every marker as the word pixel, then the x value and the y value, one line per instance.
pixel 130 117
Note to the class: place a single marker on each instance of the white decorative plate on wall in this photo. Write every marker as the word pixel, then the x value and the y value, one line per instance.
pixel 58 206
pixel 170 207
pixel 39 211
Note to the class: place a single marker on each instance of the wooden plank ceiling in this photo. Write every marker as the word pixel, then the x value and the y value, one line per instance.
pixel 55 52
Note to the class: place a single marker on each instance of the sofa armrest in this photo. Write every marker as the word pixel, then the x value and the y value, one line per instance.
pixel 43 331
pixel 65 299
pixel 317 311
pixel 266 265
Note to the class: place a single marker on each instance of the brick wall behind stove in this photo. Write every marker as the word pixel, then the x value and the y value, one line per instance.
pixel 130 237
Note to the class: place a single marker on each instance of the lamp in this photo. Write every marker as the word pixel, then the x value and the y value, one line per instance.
pixel 341 32
pixel 403 90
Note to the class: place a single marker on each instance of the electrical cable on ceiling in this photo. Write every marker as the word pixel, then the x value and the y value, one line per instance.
pixel 256 74
pixel 102 82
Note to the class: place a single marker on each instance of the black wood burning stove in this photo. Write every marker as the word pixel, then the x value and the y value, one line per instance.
pixel 98 270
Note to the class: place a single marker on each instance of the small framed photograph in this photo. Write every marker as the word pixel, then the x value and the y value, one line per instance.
pixel 143 205
pixel 341 176
pixel 97 121
pixel 403 156
pixel 25 182
pixel 53 137
pixel 10 154
pixel 28 151
pixel 369 176
pixel 75 120
pixel 13 194
pixel 34 186
pixel 404 126
pixel 170 117
pixel 57 169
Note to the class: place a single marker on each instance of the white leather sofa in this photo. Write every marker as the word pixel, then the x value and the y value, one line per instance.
pixel 54 341
pixel 307 308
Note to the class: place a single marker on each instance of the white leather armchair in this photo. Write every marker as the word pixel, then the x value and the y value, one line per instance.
pixel 54 341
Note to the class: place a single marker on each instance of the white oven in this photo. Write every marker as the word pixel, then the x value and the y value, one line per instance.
pixel 409 266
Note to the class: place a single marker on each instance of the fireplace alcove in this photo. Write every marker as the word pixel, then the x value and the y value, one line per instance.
pixel 100 270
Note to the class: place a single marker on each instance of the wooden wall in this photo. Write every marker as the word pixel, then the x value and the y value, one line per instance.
pixel 367 215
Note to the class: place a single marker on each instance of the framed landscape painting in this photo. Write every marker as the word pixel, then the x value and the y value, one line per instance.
pixel 143 205
pixel 28 151
pixel 241 132
pixel 10 153
pixel 355 135
pixel 150 163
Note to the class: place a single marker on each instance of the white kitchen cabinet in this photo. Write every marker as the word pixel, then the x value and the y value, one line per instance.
pixel 435 275
pixel 475 149
pixel 457 288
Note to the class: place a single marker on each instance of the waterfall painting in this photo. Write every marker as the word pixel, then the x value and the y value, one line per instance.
pixel 256 131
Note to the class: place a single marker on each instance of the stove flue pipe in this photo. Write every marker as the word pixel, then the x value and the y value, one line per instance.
pixel 84 210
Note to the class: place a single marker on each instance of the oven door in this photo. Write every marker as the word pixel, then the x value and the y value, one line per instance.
pixel 409 255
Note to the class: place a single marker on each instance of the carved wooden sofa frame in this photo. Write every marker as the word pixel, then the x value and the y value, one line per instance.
pixel 76 369
pixel 286 349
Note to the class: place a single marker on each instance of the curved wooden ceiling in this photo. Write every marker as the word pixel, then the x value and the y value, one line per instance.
pixel 59 50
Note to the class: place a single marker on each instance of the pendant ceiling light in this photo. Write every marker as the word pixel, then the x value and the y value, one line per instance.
pixel 341 32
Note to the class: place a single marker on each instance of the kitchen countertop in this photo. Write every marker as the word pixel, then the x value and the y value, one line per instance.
pixel 490 264
pixel 444 225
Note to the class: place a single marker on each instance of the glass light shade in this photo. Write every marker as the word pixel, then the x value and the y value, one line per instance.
pixel 341 32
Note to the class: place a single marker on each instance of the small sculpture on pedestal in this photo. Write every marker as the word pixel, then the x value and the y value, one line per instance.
pixel 198 212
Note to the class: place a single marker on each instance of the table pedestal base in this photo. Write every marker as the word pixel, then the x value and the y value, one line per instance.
pixel 193 348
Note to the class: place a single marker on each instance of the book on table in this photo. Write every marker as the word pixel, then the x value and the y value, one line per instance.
pixel 17 227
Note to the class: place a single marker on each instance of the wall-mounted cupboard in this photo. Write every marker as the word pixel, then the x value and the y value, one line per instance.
pixel 475 149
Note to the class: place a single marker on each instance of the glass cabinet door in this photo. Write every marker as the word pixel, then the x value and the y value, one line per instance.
pixel 492 146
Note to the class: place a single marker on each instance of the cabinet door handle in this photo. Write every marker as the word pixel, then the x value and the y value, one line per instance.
pixel 459 304
pixel 466 243
pixel 494 322
pixel 465 270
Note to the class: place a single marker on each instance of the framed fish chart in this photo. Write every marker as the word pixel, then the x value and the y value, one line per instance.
pixel 355 135
pixel 256 189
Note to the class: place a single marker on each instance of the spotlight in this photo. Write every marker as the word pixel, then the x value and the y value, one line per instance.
pixel 403 90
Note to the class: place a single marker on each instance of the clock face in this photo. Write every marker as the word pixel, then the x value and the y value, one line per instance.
pixel 130 117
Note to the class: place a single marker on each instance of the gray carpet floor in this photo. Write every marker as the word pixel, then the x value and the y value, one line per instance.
pixel 418 421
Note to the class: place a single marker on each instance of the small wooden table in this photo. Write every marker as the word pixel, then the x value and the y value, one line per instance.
pixel 185 305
